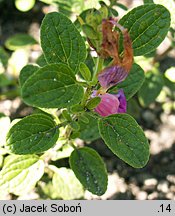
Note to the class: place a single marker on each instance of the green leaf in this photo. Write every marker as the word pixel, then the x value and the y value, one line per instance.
pixel 74 125
pixel 148 1
pixel 26 72
pixel 48 1
pixel 5 80
pixel 93 102
pixel 33 134
pixel 170 5
pixel 88 130
pixel 125 138
pixel 147 25
pixel 133 82
pixel 52 112
pixel 4 56
pixel 77 108
pixel 85 72
pixel 81 16
pixel 104 10
pixel 61 42
pixel 21 173
pixel 68 186
pixel 41 61
pixel 90 62
pixel 90 170
pixel 67 7
pixel 151 88
pixel 94 18
pixel 19 41
pixel 89 31
pixel 133 108
pixel 9 159
pixel 83 118
pixel 74 135
pixel 1 160
pixel 53 86
pixel 66 115
pixel 121 6
pixel 113 12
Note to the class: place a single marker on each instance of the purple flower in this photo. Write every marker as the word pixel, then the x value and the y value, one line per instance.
pixel 111 76
pixel 123 103
pixel 111 103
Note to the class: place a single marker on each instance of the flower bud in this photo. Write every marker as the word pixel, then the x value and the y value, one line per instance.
pixel 94 18
pixel 111 103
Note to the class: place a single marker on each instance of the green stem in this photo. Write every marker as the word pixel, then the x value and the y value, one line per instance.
pixel 71 144
pixel 86 95
pixel 62 124
pixel 98 68
pixel 68 132
pixel 94 115
pixel 88 91
pixel 82 83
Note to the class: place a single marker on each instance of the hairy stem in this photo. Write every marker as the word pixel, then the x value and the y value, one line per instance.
pixel 86 95
pixel 98 68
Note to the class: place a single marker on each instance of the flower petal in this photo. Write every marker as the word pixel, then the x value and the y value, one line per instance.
pixel 122 101
pixel 111 76
pixel 109 105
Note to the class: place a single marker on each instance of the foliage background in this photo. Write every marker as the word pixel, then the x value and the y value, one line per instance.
pixel 157 179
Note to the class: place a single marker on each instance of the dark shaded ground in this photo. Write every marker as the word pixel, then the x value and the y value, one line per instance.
pixel 13 21
pixel 155 181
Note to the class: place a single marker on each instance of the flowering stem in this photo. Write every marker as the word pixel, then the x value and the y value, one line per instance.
pixel 94 115
pixel 98 68
pixel 87 94
pixel 83 83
